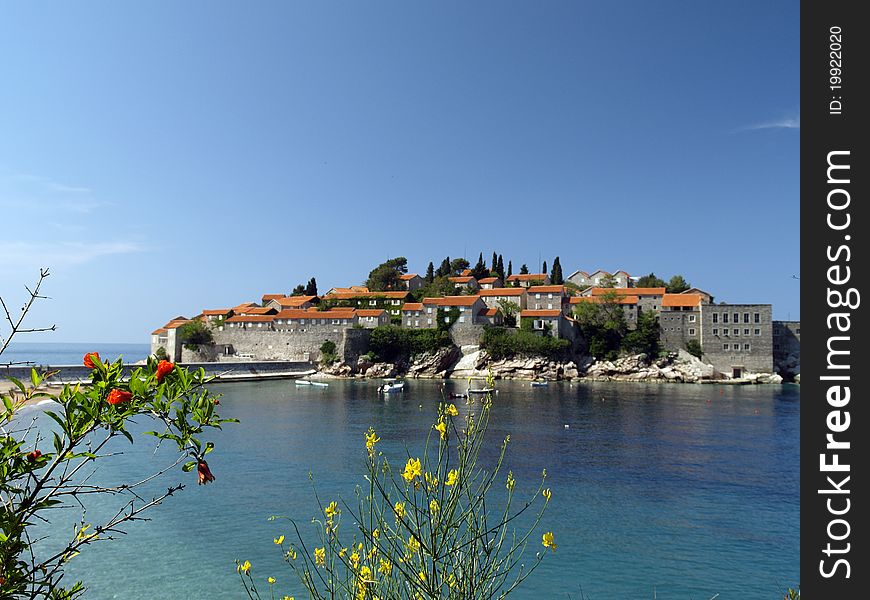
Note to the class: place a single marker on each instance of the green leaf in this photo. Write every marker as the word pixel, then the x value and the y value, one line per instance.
pixel 209 446
pixel 18 384
pixel 188 466
pixel 35 378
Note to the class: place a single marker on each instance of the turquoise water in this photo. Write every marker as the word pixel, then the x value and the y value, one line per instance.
pixel 672 491
pixel 54 354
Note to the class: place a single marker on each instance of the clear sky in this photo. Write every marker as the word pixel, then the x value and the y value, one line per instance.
pixel 165 157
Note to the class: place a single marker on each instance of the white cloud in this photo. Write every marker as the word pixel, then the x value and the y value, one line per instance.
pixel 55 254
pixel 784 123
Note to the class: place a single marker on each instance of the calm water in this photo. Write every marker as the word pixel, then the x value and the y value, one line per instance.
pixel 678 491
pixel 54 354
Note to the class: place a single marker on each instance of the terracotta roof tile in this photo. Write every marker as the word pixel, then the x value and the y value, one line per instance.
pixel 294 301
pixel 217 311
pixel 511 291
pixel 251 319
pixel 465 272
pixel 487 312
pixel 488 280
pixel 546 289
pixel 458 300
pixel 656 291
pixel 412 306
pixel 369 312
pixel 257 310
pixel 598 299
pixel 408 276
pixel 527 276
pixel 298 313
pixel 540 313
pixel 267 297
pixel 681 299
pixel 158 331
pixel 463 279
pixel 352 295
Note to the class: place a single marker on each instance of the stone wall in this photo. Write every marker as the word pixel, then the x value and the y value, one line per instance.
pixel 678 327
pixel 288 345
pixel 466 334
pixel 726 349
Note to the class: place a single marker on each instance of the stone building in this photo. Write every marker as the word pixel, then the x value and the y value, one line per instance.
pixel 285 302
pixel 389 301
pixel 166 337
pixel 465 283
pixel 647 298
pixel 549 322
pixel 414 316
pixel 528 279
pixel 517 295
pixel 583 279
pixel 680 320
pixel 411 281
pixel 547 297
pixel 374 317
pixel 628 304
pixel 737 338
pixel 490 283
pixel 315 320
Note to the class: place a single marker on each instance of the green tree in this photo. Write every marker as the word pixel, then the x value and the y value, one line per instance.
pixel 311 288
pixel 510 310
pixel 602 324
pixel 608 281
pixel 480 271
pixel 430 273
pixel 650 281
pixel 444 269
pixel 299 290
pixel 544 267
pixel 524 270
pixel 510 270
pixel 458 265
pixel 644 339
pixel 677 284
pixel 494 267
pixel 500 267
pixel 556 277
pixel 386 275
pixel 327 352
pixel 693 347
pixel 194 334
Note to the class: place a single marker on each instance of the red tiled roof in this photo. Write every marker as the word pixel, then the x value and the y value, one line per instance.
pixel 458 300
pixel 598 299
pixel 436 301
pixel 465 272
pixel 294 301
pixel 217 311
pixel 527 276
pixel 413 306
pixel 511 291
pixel 546 289
pixel 267 297
pixel 681 299
pixel 487 312
pixel 656 291
pixel 251 319
pixel 488 280
pixel 352 295
pixel 158 331
pixel 463 279
pixel 540 313
pixel 298 313
pixel 176 323
pixel 347 290
pixel 408 276
pixel 368 312
pixel 245 305
pixel 258 310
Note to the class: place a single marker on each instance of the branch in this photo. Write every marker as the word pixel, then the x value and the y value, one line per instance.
pixel 15 324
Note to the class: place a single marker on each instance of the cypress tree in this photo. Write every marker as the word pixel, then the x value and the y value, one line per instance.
pixel 430 273
pixel 556 276
pixel 510 270
pixel 311 288
pixel 444 269
pixel 544 267
pixel 524 270
pixel 499 267
pixel 494 268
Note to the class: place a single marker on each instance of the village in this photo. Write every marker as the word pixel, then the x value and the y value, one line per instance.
pixel 737 339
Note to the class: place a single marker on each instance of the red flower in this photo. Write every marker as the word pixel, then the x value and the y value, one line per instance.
pixel 90 359
pixel 164 368
pixel 117 396
pixel 34 456
pixel 205 475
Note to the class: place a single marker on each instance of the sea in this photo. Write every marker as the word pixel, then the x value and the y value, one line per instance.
pixel 58 354
pixel 662 491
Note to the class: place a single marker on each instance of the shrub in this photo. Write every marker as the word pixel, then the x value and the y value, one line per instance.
pixel 390 343
pixel 500 342
pixel 427 528
pixel 194 334
pixel 327 352
pixel 693 347
pixel 160 353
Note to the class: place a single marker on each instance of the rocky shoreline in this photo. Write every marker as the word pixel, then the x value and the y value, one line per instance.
pixel 471 361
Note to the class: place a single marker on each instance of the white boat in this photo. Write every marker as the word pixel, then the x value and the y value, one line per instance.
pixel 486 390
pixel 539 384
pixel 392 387
pixel 314 383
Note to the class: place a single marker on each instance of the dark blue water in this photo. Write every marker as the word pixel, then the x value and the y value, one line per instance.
pixel 666 491
pixel 55 354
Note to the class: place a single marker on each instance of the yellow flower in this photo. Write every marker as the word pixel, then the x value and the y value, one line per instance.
pixel 244 567
pixel 372 553
pixel 271 580
pixel 291 554
pixel 441 426
pixel 451 581
pixel 385 567
pixel 413 545
pixel 359 546
pixel 511 482
pixel 400 510
pixel 547 494
pixel 342 552
pixel 320 556
pixel 412 470
pixel 354 558
pixel 452 411
pixel 332 510
pixel 431 481
pixel 288 598
pixel 279 540
pixel 422 576
pixel 376 533
pixel 547 540
pixel 433 506
pixel 371 439
pixel 452 477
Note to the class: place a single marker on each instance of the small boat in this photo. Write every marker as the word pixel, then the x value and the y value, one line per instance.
pixel 486 390
pixel 457 395
pixel 392 387
pixel 314 383
pixel 539 384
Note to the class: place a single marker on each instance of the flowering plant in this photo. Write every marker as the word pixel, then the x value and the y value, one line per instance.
pixel 43 461
pixel 427 529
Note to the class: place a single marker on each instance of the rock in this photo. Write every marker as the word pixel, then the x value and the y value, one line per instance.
pixel 381 370
pixel 434 364
pixel 338 369
pixel 362 364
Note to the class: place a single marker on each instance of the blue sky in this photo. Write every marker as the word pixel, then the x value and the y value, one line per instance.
pixel 166 157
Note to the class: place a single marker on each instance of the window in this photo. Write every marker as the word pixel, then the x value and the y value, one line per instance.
pixel 446 319
pixel 715 317
pixel 736 332
pixel 746 346
pixel 462 319
pixel 746 317
pixel 549 295
pixel 797 331
pixel 408 323
pixel 715 332
pixel 428 321
pixel 538 324
pixel 691 318
pixel 757 332
pixel 372 302
pixel 428 310
pixel 724 346
pixel 725 332
pixel 691 331
pixel 736 317
pixel 302 321
pixel 757 317
pixel 724 317
pixel 537 296
pixel 745 332
pixel 416 323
